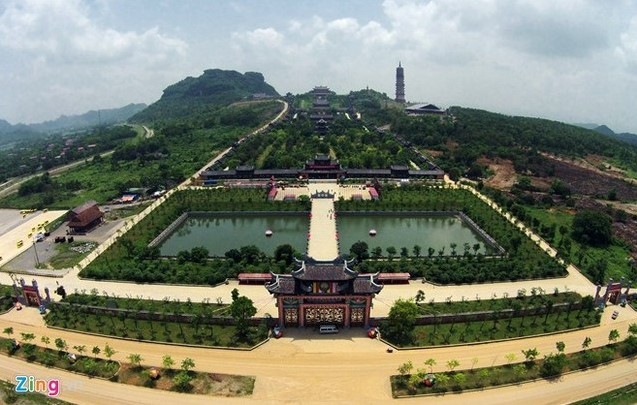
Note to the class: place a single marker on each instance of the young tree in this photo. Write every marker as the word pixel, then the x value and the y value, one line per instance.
pixel 360 250
pixel 560 346
pixel 182 381
pixel 431 363
pixel 61 345
pixel 391 252
pixel 510 357
pixel 401 321
pixel 377 252
pixel 404 252
pixel 187 364
pixel 80 349
pixel 27 337
pixel 8 331
pixel 417 250
pixel 420 296
pixel 586 343
pixel 135 359
pixel 613 336
pixel 96 351
pixel 46 340
pixel 109 351
pixel 474 361
pixel 405 368
pixel 241 309
pixel 530 354
pixel 167 361
pixel 453 363
pixel 632 329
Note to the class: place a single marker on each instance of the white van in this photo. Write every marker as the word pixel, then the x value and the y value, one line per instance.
pixel 328 329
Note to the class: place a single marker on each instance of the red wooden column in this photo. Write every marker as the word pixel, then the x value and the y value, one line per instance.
pixel 281 312
pixel 368 301
pixel 348 316
pixel 301 315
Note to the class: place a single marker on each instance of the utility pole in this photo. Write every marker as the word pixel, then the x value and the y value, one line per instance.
pixel 37 259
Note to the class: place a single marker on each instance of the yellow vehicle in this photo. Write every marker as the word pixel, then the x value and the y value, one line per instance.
pixel 20 243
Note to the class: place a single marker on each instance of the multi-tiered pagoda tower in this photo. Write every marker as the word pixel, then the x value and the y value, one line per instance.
pixel 400 84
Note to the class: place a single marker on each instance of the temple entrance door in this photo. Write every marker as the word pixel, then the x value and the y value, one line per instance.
pixel 32 298
pixel 322 315
pixel 291 316
pixel 357 316
pixel 614 297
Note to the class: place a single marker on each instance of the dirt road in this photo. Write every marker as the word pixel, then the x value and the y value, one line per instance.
pixel 304 367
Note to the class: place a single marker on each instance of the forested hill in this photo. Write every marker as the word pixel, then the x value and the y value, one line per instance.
pixel 22 132
pixel 475 133
pixel 207 92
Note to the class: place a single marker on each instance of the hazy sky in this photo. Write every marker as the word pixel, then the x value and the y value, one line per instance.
pixel 569 60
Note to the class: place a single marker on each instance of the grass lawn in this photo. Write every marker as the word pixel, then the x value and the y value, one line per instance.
pixel 127 211
pixel 70 254
pixel 480 331
pixel 622 396
pixel 202 383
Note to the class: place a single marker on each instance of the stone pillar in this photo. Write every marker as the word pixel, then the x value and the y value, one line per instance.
pixel 368 301
pixel 598 288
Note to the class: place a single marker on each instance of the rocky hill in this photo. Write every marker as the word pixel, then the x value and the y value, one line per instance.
pixel 214 88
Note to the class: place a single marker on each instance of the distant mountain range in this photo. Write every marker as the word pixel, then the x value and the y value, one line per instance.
pixel 200 95
pixel 12 133
pixel 604 130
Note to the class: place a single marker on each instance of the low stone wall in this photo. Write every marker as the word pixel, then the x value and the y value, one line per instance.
pixel 169 230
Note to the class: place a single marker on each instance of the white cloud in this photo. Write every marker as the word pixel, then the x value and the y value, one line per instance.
pixel 64 59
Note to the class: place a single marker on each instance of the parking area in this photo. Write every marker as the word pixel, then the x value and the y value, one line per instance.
pixel 22 229
pixel 28 257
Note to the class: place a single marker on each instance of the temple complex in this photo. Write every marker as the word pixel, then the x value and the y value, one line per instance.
pixel 321 167
pixel 324 292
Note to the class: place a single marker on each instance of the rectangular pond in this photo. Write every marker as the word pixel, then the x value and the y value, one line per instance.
pixel 399 231
pixel 220 233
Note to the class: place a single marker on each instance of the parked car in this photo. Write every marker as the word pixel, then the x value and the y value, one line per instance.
pixel 615 314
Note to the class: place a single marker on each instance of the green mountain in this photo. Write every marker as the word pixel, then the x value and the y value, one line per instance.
pixel 22 132
pixel 199 95
pixel 89 119
pixel 473 133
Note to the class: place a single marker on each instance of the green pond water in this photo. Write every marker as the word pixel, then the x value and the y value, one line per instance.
pixel 221 233
pixel 399 231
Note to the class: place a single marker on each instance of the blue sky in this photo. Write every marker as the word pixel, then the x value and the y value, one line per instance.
pixel 572 60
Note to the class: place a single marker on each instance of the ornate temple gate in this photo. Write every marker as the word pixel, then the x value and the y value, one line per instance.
pixel 321 314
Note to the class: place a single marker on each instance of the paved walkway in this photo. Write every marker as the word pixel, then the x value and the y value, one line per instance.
pixel 323 244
